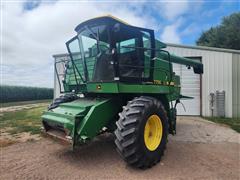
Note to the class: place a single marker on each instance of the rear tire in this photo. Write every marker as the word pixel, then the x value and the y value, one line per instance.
pixel 142 130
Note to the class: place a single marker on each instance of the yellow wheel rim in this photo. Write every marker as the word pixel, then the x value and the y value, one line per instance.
pixel 153 132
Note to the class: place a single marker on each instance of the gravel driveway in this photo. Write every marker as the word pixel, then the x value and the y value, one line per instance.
pixel 200 150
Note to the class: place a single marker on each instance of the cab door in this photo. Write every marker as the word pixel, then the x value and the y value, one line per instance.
pixel 135 51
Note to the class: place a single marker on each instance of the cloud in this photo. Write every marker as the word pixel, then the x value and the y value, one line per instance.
pixel 35 30
pixel 32 35
pixel 172 9
pixel 193 28
pixel 170 33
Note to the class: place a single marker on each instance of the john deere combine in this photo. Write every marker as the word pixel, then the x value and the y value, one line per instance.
pixel 121 80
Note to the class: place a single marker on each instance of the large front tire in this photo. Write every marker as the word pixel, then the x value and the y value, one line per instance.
pixel 142 130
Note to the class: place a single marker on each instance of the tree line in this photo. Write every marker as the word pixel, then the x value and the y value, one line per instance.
pixel 22 93
pixel 225 35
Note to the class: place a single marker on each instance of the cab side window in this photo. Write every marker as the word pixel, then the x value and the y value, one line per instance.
pixel 129 63
pixel 126 45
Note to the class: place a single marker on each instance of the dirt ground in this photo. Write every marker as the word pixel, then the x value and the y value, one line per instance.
pixel 200 150
pixel 21 107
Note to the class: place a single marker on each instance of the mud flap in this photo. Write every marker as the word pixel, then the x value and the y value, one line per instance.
pixel 173 119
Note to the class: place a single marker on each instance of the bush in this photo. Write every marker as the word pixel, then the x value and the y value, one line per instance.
pixel 21 93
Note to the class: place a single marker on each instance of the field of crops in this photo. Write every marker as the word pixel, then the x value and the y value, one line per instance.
pixel 20 93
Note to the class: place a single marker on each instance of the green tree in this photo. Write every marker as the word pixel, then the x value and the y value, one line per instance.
pixel 225 35
pixel 21 93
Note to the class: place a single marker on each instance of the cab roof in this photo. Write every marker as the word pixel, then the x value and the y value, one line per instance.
pixel 111 19
pixel 106 18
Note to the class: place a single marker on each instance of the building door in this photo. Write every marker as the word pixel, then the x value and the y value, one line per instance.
pixel 190 86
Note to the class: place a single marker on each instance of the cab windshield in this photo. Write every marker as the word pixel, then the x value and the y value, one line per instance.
pixel 92 55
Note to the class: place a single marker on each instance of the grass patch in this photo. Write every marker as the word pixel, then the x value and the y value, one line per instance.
pixel 25 103
pixel 22 121
pixel 234 123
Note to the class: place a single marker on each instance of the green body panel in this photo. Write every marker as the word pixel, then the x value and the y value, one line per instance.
pixel 160 45
pixel 143 88
pixel 102 87
pixel 83 118
pixel 161 70
pixel 146 88
pixel 97 118
pixel 68 114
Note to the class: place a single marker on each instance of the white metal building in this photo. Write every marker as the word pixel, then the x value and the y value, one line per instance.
pixel 221 73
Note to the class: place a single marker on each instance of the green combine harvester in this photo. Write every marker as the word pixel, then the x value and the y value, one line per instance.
pixel 120 80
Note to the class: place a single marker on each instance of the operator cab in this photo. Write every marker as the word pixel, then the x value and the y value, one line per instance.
pixel 107 49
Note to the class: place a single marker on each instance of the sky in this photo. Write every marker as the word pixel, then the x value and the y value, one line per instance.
pixel 32 31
